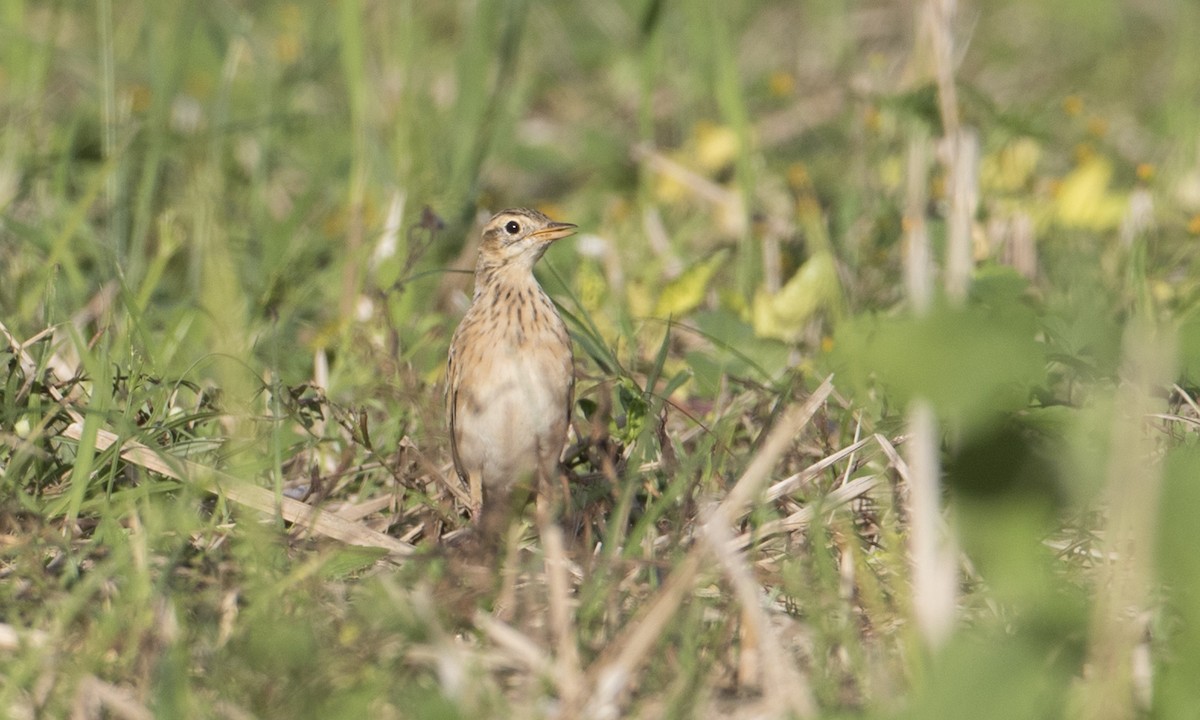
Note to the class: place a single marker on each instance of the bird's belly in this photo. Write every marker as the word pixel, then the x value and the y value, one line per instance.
pixel 513 417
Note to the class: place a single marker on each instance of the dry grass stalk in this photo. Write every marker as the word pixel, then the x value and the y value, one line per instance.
pixel 737 503
pixel 611 674
pixel 261 499
pixel 939 24
pixel 1125 573
pixel 12 638
pixel 506 599
pixel 960 149
pixel 568 676
pixel 1014 234
pixel 1187 398
pixel 357 511
pixel 701 186
pixel 294 511
pixel 749 662
pixel 934 569
pixel 804 516
pixel 96 699
pixel 791 484
pixel 962 168
pixel 932 551
pixel 523 651
pixel 918 256
pixel 787 689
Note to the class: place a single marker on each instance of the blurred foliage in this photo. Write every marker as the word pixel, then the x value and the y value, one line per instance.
pixel 249 228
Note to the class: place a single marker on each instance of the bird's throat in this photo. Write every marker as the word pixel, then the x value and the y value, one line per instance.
pixel 499 279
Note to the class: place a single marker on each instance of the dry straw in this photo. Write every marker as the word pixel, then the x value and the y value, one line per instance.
pixel 303 515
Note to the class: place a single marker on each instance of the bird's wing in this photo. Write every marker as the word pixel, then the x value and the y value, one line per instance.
pixel 452 412
pixel 570 384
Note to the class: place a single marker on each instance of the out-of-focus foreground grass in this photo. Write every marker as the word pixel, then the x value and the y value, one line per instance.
pixel 233 238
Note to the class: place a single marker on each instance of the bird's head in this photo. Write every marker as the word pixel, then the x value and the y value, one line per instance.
pixel 519 236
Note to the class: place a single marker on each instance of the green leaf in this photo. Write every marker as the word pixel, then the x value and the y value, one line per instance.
pixel 970 363
pixel 785 314
pixel 590 340
pixel 685 293
pixel 659 361
pixel 1178 561
pixel 736 350
pixel 351 560
pixel 634 408
pixel 1189 349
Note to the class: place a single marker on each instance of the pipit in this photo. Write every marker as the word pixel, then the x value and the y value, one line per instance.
pixel 511 376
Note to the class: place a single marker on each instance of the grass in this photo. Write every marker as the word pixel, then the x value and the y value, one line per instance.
pixel 822 466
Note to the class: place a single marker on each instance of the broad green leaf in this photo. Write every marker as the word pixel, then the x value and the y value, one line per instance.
pixel 736 349
pixel 970 363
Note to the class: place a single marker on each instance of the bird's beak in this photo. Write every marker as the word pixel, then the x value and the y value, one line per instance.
pixel 555 230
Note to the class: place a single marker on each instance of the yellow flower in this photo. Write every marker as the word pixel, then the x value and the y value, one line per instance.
pixel 781 83
pixel 716 146
pixel 139 97
pixel 797 176
pixel 1010 168
pixel 287 48
pixel 1193 225
pixel 1084 199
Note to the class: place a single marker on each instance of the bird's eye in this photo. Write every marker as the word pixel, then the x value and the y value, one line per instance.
pixel 513 227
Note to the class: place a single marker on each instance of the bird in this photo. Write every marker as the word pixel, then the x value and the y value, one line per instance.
pixel 511 373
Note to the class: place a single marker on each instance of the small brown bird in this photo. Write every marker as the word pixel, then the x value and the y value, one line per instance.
pixel 511 376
